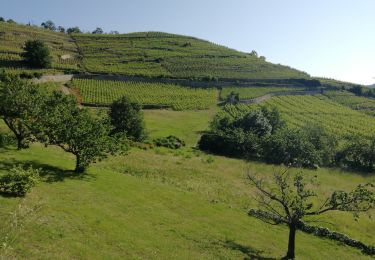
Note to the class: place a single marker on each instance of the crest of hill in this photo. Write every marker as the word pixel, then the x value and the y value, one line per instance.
pixel 158 54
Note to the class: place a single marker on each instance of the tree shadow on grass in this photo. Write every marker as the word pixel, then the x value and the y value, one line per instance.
pixel 251 253
pixel 49 173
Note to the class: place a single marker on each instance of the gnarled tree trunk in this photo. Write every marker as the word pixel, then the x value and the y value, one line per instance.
pixel 292 241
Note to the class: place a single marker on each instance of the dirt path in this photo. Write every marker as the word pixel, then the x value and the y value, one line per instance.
pixel 65 90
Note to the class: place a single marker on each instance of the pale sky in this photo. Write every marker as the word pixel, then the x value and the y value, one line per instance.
pixel 330 38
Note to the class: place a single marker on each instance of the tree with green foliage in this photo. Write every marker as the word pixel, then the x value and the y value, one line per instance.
pixel 127 119
pixel 20 103
pixel 11 21
pixel 75 130
pixel 98 30
pixel 2 19
pixel 288 199
pixel 358 153
pixel 233 98
pixel 61 29
pixel 49 25
pixel 37 54
pixel 73 30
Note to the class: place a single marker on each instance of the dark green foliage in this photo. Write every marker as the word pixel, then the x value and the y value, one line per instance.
pixel 288 199
pixel 11 21
pixel 98 30
pixel 172 142
pixel 75 130
pixel 61 29
pixel 240 136
pixel 19 181
pixel 2 19
pixel 233 98
pixel 358 153
pixel 37 54
pixel 73 30
pixel 127 118
pixel 310 146
pixel 49 25
pixel 7 139
pixel 274 118
pixel 20 103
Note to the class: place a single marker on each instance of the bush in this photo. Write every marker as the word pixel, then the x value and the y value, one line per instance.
pixel 172 142
pixel 19 181
pixel 7 139
pixel 37 54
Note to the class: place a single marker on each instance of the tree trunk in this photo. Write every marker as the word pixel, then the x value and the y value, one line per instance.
pixel 79 167
pixel 292 241
pixel 21 143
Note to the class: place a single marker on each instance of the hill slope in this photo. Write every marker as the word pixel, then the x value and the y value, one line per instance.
pixel 150 54
pixel 161 54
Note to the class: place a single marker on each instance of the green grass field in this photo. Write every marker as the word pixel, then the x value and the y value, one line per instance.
pixel 159 204
pixel 104 92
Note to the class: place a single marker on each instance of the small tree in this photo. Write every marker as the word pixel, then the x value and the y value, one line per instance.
pixel 20 103
pixel 288 201
pixel 75 130
pixel 11 21
pixel 37 54
pixel 233 98
pixel 127 118
pixel 49 25
pixel 73 30
pixel 61 29
pixel 2 19
pixel 98 30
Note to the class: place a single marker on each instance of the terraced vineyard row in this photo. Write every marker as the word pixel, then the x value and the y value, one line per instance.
pixel 298 111
pixel 161 54
pixel 346 98
pixel 253 92
pixel 339 120
pixel 103 92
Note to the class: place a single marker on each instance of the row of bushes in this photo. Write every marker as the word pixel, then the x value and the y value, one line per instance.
pixel 261 134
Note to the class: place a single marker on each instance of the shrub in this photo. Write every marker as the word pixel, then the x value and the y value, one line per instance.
pixel 19 181
pixel 172 142
pixel 37 54
pixel 7 139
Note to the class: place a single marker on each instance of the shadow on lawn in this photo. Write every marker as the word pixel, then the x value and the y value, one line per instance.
pixel 251 253
pixel 48 173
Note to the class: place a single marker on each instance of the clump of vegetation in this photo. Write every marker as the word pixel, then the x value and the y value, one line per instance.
pixel 37 54
pixel 172 142
pixel 7 139
pixel 127 119
pixel 260 133
pixel 288 200
pixel 19 181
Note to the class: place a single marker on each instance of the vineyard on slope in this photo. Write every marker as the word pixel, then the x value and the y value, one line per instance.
pixel 253 92
pixel 298 111
pixel 104 92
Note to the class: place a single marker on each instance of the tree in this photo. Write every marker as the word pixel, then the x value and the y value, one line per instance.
pixel 98 30
pixel 20 103
pixel 233 98
pixel 289 200
pixel 75 130
pixel 61 29
pixel 114 32
pixel 37 54
pixel 127 118
pixel 2 19
pixel 11 21
pixel 49 25
pixel 73 30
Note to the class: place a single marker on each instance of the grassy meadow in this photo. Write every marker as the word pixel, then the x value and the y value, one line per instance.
pixel 159 203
